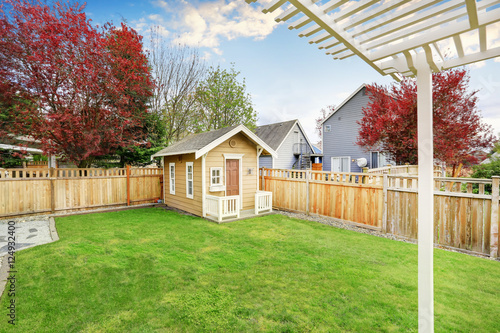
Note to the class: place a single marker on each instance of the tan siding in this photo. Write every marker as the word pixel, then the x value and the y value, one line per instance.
pixel 179 200
pixel 215 158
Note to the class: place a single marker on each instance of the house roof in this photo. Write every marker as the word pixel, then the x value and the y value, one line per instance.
pixel 274 134
pixel 344 102
pixel 492 158
pixel 202 143
pixel 20 148
pixel 317 150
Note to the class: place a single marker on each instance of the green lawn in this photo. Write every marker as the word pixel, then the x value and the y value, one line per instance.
pixel 148 270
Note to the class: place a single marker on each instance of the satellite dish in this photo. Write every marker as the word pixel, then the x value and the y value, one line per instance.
pixel 361 162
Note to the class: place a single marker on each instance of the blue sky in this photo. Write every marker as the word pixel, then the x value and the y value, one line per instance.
pixel 287 77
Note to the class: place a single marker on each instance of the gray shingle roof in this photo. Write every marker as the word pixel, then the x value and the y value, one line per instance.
pixel 274 134
pixel 195 141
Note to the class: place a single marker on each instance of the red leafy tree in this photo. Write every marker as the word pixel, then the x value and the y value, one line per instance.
pixel 87 87
pixel 389 121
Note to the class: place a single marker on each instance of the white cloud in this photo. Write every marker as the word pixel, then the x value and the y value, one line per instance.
pixel 208 24
pixel 477 65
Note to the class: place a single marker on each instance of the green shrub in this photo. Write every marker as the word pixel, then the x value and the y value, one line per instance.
pixel 487 170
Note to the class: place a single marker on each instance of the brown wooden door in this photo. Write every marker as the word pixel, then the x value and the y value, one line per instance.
pixel 232 177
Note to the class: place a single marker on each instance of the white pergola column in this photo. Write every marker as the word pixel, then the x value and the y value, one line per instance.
pixel 425 199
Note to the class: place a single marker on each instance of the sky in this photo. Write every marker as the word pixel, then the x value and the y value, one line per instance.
pixel 287 77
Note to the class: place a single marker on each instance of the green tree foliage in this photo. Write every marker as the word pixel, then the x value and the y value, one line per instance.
pixel 487 170
pixel 222 101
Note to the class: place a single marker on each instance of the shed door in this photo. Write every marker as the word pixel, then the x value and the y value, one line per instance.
pixel 232 177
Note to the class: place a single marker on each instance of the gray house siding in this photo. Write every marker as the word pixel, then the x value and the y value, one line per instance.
pixel 341 140
pixel 286 158
pixel 266 161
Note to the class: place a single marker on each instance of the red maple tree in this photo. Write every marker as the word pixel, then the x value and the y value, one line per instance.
pixel 87 86
pixel 389 121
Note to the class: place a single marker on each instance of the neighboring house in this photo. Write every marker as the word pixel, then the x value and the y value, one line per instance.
pixel 492 158
pixel 340 132
pixel 290 141
pixel 214 174
pixel 27 145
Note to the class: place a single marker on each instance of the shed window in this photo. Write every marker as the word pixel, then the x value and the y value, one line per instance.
pixel 189 180
pixel 215 176
pixel 172 177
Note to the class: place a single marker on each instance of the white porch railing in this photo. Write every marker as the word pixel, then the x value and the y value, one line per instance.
pixel 263 202
pixel 221 207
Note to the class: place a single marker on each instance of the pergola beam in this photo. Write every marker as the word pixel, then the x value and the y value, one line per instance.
pixel 328 25
pixel 372 14
pixel 398 14
pixel 448 31
pixel 472 13
pixel 424 22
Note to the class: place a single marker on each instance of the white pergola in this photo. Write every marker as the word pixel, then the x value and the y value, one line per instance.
pixel 404 38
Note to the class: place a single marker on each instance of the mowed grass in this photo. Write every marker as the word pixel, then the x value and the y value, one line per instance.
pixel 149 270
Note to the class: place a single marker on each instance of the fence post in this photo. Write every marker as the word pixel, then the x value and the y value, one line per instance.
pixel 52 191
pixel 128 185
pixel 385 185
pixel 308 173
pixel 495 181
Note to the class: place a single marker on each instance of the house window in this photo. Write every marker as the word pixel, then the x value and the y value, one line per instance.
pixel 378 159
pixel 189 180
pixel 171 167
pixel 328 128
pixel 341 164
pixel 215 176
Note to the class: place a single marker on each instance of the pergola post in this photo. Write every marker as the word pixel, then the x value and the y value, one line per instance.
pixel 425 199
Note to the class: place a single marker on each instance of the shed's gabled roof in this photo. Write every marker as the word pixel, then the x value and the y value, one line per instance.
pixel 201 143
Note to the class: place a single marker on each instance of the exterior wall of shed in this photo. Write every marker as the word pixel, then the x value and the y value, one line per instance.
pixel 215 158
pixel 179 200
pixel 286 158
pixel 341 141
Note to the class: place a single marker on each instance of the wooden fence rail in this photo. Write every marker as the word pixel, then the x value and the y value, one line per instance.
pixel 34 191
pixel 466 211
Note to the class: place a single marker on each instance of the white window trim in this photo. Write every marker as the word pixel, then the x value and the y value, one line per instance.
pixel 371 158
pixel 216 187
pixel 172 180
pixel 212 176
pixel 187 180
pixel 349 164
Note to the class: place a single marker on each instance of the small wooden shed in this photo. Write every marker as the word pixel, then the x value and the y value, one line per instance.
pixel 215 174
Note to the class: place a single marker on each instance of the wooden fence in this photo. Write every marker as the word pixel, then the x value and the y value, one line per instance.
pixel 355 197
pixel 404 170
pixel 466 210
pixel 35 191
